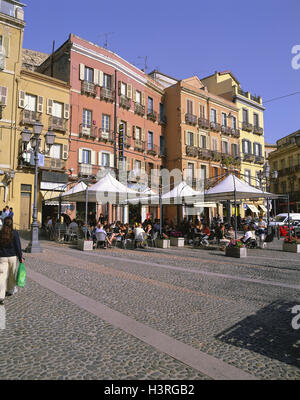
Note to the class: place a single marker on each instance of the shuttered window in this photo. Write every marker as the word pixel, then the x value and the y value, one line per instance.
pixel 105 123
pixel 30 102
pixel 189 107
pixel 107 81
pixel 3 95
pixel 57 110
pixel 89 74
pixel 213 115
pixel 87 118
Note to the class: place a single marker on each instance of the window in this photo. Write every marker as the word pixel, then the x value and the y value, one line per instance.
pixel 225 147
pixel 203 142
pixel 215 171
pixel 255 120
pixel 150 140
pixel 55 151
pixel 256 149
pixel 123 89
pixel 283 187
pixel 105 161
pixel 137 165
pixel 190 171
pixel 161 111
pixel 247 176
pixel 233 119
pixel 214 144
pixel 105 123
pixel 213 115
pixel 235 149
pixel 202 111
pixel 107 81
pixel 86 156
pixel 162 144
pixel 190 138
pixel 203 172
pixel 88 74
pixel 3 95
pixel 30 102
pixel 138 133
pixel 87 118
pixel 57 109
pixel 275 165
pixel 150 105
pixel 245 116
pixel 138 97
pixel 189 106
pixel 290 161
pixel 247 147
pixel 224 119
pixel 282 164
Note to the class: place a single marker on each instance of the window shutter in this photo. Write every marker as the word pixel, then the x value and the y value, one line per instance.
pixel 65 152
pixel 185 138
pixel 81 72
pixel 111 160
pixel 3 95
pixel 143 99
pixel 134 95
pixel 40 104
pixel 80 156
pixel 21 99
pixel 119 88
pixel 143 167
pixel 260 149
pixel 100 78
pixel 128 129
pixel 133 132
pixel 129 91
pixel 97 77
pixel 93 157
pixel 6 45
pixel 143 135
pixel 243 145
pixel 49 106
pixel 100 158
pixel 128 164
pixel 112 80
pixel 66 111
pixel 198 140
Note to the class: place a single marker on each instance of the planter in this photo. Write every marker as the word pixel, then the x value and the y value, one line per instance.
pixel 292 247
pixel 85 245
pixel 236 252
pixel 177 241
pixel 163 243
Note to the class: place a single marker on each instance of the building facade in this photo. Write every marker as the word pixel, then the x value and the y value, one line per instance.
pixel 107 92
pixel 285 162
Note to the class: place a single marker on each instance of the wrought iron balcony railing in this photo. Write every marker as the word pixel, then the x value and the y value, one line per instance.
pixel 139 145
pixel 139 109
pixel 88 88
pixel 204 154
pixel 249 157
pixel 54 164
pixel 247 127
pixel 152 115
pixel 235 132
pixel 203 123
pixel 191 119
pixel 258 130
pixel 191 151
pixel 152 149
pixel 215 126
pixel 57 124
pixel 259 160
pixel 107 94
pixel 124 102
pixel 30 117
pixel 162 120
pixel 226 130
pixel 88 131
pixel 105 136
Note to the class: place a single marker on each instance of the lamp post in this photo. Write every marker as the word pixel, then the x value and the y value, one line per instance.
pixel 34 245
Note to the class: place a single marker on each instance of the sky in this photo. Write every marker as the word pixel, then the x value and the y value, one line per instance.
pixel 253 39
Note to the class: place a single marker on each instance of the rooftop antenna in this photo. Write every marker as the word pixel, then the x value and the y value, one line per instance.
pixel 106 34
pixel 145 63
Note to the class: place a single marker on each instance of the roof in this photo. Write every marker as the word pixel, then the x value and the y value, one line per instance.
pixel 31 59
pixel 223 73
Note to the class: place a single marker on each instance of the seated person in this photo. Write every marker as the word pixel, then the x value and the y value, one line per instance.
pixel 247 236
pixel 230 234
pixel 149 231
pixel 139 234
pixel 99 229
pixel 206 230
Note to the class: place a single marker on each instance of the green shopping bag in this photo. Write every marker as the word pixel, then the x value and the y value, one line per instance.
pixel 21 275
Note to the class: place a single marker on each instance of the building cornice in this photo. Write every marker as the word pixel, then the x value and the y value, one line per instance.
pixel 11 21
pixel 44 78
pixel 248 102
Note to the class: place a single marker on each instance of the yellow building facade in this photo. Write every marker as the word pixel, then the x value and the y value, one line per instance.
pixel 25 97
pixel 251 125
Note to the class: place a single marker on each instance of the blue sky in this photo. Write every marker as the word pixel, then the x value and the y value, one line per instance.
pixel 253 39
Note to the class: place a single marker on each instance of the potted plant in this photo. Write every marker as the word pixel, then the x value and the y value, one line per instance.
pixel 163 242
pixel 236 248
pixel 176 239
pixel 291 244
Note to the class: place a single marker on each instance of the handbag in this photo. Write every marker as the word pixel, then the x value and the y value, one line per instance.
pixel 21 275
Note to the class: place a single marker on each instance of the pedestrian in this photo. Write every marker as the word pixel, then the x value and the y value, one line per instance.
pixel 10 253
pixel 11 213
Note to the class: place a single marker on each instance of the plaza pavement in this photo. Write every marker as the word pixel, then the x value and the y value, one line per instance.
pixel 153 314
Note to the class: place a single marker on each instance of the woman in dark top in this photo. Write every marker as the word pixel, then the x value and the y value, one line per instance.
pixel 10 253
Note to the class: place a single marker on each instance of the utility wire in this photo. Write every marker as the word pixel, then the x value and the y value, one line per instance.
pixel 281 97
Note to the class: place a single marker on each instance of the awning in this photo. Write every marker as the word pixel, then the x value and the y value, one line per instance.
pixel 252 208
pixel 263 207
pixel 49 195
pixel 205 204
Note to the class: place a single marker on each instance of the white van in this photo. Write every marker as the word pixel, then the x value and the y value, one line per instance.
pixel 282 219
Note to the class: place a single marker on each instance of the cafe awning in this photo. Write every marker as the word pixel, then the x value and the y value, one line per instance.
pixel 253 208
pixel 264 208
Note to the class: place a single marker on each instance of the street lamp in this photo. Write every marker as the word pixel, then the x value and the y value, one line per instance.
pixel 34 245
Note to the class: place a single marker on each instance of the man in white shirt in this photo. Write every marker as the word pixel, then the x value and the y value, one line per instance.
pixel 247 236
pixel 140 234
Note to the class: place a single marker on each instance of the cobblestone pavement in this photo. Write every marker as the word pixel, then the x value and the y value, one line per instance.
pixel 245 323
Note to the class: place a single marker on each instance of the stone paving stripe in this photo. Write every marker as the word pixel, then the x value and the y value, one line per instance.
pixel 197 271
pixel 204 363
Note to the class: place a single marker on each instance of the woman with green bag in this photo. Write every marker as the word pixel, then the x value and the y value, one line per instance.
pixel 10 253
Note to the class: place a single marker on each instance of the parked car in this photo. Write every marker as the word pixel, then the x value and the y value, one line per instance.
pixel 282 219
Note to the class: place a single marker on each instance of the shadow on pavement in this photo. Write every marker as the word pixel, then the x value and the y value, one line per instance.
pixel 268 332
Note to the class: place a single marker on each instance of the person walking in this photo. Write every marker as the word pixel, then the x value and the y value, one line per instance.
pixel 10 253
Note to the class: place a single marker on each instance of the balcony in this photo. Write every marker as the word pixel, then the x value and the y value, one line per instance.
pixel 215 126
pixel 247 127
pixel 30 117
pixel 105 136
pixel 88 131
pixel 203 123
pixel 88 169
pixel 152 149
pixel 259 160
pixel 249 157
pixel 191 119
pixel 162 120
pixel 242 92
pixel 107 95
pixel 204 154
pixel 235 132
pixel 139 145
pixel 127 141
pixel 88 88
pixel 216 156
pixel 255 98
pixel 152 115
pixel 57 124
pixel 139 109
pixel 54 164
pixel 226 130
pixel 258 130
pixel 124 102
pixel 191 151
pixel 162 152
